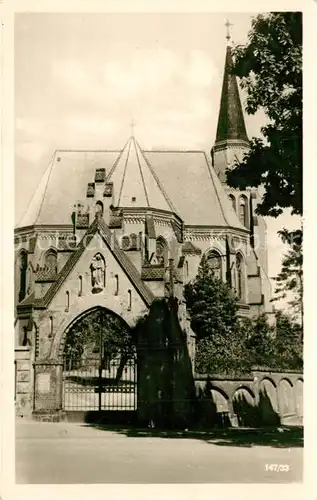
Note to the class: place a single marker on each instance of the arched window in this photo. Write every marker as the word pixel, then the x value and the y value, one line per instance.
pixel 161 251
pixel 240 286
pixel 67 302
pixel 233 201
pixel 99 209
pixel 125 243
pixel 243 210
pixel 129 300
pixel 51 326
pixel 80 291
pixel 116 284
pixel 215 264
pixel 133 241
pixel 50 260
pixel 23 274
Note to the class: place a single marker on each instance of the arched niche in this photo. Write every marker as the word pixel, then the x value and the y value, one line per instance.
pixel 298 389
pixel 233 202
pixel 243 403
pixel 268 402
pixel 286 398
pixel 99 209
pixel 98 273
pixel 50 260
pixel 161 251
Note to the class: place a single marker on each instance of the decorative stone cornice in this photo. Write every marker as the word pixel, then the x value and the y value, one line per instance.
pixel 213 233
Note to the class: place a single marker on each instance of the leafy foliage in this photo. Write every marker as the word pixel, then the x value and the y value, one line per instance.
pixel 211 303
pixel 290 278
pixel 213 310
pixel 227 344
pixel 270 68
pixel 288 343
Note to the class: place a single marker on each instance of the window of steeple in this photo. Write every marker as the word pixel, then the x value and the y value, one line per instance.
pixel 243 210
pixel 23 274
pixel 240 277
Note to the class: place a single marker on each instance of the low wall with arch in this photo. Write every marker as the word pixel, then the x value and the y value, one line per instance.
pixel 260 398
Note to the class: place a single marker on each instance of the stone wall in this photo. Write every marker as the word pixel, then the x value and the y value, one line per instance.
pixel 262 398
pixel 23 380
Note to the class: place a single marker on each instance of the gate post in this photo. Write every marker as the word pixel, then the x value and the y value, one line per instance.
pixel 48 376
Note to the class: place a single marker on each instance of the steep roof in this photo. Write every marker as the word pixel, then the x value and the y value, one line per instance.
pixel 231 124
pixel 64 184
pixel 193 185
pixel 135 182
pixel 182 182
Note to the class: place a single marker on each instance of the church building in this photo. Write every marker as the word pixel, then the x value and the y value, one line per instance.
pixel 118 228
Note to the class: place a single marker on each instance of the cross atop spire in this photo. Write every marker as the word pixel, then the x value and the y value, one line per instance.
pixel 227 25
pixel 132 125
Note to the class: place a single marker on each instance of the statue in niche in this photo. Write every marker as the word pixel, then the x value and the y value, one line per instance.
pixel 97 268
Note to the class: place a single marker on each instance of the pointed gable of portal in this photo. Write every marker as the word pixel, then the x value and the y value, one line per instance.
pixel 98 227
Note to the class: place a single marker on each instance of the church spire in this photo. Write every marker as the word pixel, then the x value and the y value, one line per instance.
pixel 231 138
pixel 230 121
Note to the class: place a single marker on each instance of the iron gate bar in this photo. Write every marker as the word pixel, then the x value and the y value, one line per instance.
pixel 86 382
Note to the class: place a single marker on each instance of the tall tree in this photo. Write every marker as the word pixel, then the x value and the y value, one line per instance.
pixel 213 310
pixel 270 68
pixel 290 279
pixel 288 343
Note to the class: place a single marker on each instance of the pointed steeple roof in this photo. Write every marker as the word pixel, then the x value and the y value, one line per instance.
pixel 231 124
pixel 137 183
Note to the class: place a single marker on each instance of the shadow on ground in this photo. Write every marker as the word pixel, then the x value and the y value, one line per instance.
pixel 284 437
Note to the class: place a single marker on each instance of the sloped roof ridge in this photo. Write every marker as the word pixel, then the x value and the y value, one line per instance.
pixel 136 145
pixel 126 263
pixel 158 182
pixel 117 160
pixel 69 265
pixel 49 170
pixel 125 168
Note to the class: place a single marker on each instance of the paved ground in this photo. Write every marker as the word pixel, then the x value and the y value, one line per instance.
pixel 65 453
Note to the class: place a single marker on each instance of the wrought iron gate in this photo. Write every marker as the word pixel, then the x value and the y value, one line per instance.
pixel 94 384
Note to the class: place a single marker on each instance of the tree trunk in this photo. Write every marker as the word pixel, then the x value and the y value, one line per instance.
pixel 123 360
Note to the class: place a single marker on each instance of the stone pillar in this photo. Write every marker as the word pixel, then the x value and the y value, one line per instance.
pixel 23 380
pixel 48 375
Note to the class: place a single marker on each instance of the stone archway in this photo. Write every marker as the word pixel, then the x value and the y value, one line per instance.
pixel 243 403
pixel 99 363
pixel 75 313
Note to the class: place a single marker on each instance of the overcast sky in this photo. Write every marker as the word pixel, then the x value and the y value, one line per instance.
pixel 81 78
